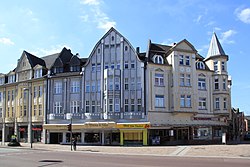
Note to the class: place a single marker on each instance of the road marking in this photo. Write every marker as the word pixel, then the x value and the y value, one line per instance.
pixel 182 150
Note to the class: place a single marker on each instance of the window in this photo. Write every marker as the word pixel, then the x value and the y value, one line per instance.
pixel 75 106
pixel 87 88
pixel 187 60
pixel 12 95
pixel 38 73
pixel 201 83
pixel 216 66
pixel 57 108
pixel 139 105
pixel 8 96
pixel 93 67
pixel 126 105
pixel 126 48
pixel 110 105
pixel 11 78
pixel 132 65
pixel 126 83
pixel 111 86
pixel 224 84
pixel 188 101
pixel 225 103
pixel 202 103
pixel 98 67
pixel 2 81
pixel 118 67
pixel 58 87
pixel 98 106
pixel 159 79
pixel 182 80
pixel 74 68
pixel 112 66
pixel 217 103
pixel 117 105
pixel 158 59
pixel 159 100
pixel 126 65
pixel 75 86
pixel 200 65
pixel 223 66
pixel 58 69
pixel 132 84
pixel 106 66
pixel 40 109
pixel 188 80
pixel 132 105
pixel 93 87
pixel 216 84
pixel 1 96
pixel 117 83
pixel 35 110
pixel 87 106
pixel 181 60
pixel 35 91
pixel 182 101
pixel 40 91
pixel 98 86
pixel 93 109
pixel 24 110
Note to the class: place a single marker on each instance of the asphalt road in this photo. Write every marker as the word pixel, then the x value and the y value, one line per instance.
pixel 44 158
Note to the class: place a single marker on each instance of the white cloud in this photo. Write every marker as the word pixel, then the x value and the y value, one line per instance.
pixel 52 50
pixel 243 15
pixel 226 35
pixel 202 49
pixel 168 41
pixel 210 23
pixel 6 41
pixel 90 2
pixel 95 14
pixel 198 19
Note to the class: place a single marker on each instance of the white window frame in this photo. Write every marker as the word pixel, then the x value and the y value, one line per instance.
pixel 74 107
pixel 187 60
pixel 57 107
pixel 202 103
pixel 159 79
pixel 215 66
pixel 87 109
pixel 58 87
pixel 188 80
pixel 182 101
pixel 181 59
pixel 182 79
pixel 217 103
pixel 159 101
pixel 216 84
pixel 75 86
pixel 117 105
pixel 158 59
pixel 202 83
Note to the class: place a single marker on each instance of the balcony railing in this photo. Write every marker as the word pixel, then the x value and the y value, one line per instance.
pixel 133 115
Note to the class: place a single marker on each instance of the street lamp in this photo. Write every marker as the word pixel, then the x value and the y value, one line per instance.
pixel 30 138
pixel 69 116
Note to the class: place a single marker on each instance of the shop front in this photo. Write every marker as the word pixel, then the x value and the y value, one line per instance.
pixel 133 133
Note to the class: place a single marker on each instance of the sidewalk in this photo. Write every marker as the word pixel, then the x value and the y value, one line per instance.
pixel 226 151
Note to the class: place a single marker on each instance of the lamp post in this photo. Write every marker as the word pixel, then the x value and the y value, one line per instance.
pixel 69 116
pixel 30 117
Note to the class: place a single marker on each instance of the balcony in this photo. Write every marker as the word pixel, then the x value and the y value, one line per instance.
pixel 92 116
pixel 56 116
pixel 133 115
pixel 113 115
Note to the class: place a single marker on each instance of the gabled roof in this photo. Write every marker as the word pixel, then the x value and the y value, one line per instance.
pixel 50 59
pixel 215 48
pixel 33 60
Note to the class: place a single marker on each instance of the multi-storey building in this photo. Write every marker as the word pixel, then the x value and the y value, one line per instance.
pixel 118 96
pixel 188 95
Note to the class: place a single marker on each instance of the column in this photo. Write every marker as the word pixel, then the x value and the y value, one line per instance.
pixel 121 138
pixel 145 137
pixel 103 137
pixel 64 137
pixel 3 134
pixel 82 137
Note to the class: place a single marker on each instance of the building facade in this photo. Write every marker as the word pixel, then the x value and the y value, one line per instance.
pixel 118 96
pixel 188 97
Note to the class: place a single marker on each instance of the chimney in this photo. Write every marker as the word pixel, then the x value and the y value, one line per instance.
pixel 138 49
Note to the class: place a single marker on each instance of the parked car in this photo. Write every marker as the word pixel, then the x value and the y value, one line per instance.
pixel 247 136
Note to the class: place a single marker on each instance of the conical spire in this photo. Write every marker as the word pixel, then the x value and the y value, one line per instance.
pixel 215 48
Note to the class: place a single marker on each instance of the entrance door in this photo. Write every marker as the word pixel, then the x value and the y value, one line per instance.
pixel 182 134
pixel 55 138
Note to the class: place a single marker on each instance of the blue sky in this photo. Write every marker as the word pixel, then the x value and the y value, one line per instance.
pixel 44 27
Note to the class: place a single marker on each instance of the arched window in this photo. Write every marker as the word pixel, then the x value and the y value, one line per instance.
pixel 158 59
pixel 200 65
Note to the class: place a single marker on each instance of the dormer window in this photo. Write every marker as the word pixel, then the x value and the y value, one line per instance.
pixel 1 81
pixel 38 73
pixel 200 65
pixel 158 59
pixel 58 69
pixel 74 68
pixel 11 79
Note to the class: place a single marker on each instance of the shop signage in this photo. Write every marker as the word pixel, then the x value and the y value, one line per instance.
pixel 99 125
pixel 133 126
